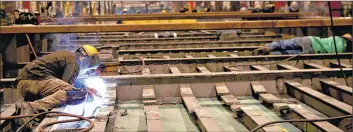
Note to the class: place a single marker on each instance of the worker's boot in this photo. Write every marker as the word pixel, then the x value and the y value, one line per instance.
pixel 25 108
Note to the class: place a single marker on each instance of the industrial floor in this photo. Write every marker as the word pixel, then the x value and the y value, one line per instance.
pixel 174 117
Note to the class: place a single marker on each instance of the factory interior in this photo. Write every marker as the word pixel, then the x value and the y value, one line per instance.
pixel 132 66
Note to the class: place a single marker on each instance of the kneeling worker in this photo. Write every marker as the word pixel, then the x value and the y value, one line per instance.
pixel 308 45
pixel 47 82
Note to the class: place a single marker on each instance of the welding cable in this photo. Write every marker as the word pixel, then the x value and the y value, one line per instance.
pixel 302 120
pixel 137 71
pixel 30 45
pixel 334 41
pixel 277 62
pixel 57 114
pixel 42 128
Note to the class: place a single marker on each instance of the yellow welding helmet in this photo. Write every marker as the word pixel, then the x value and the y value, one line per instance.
pixel 91 58
pixel 89 50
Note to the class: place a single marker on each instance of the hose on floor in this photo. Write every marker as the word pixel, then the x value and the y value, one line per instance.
pixel 137 71
pixel 277 62
pixel 301 120
pixel 56 113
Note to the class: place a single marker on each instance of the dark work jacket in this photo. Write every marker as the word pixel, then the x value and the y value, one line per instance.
pixel 61 64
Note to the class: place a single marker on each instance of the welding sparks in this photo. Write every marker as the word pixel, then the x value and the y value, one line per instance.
pixel 97 84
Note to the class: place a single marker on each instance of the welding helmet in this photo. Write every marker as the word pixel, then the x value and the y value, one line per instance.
pixel 90 59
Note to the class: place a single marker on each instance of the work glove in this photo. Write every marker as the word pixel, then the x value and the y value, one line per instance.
pixel 79 83
pixel 77 96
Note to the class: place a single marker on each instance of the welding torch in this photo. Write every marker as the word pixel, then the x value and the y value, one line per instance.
pixel 93 91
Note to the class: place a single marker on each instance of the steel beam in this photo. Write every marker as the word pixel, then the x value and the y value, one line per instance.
pixel 141 39
pixel 338 91
pixel 323 103
pixel 173 27
pixel 215 76
pixel 265 59
pixel 210 15
pixel 204 119
pixel 167 39
pixel 170 45
pixel 302 113
pixel 9 111
pixel 253 118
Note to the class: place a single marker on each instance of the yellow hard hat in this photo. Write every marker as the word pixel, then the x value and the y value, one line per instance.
pixel 347 36
pixel 89 50
pixel 91 59
pixel 164 11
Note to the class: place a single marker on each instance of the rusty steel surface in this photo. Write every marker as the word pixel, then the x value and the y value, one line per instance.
pixel 209 15
pixel 143 39
pixel 168 39
pixel 86 36
pixel 180 44
pixel 245 58
pixel 187 49
pixel 194 88
pixel 185 77
pixel 174 27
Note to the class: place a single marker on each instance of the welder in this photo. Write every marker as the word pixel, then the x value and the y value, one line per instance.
pixel 47 82
pixel 308 45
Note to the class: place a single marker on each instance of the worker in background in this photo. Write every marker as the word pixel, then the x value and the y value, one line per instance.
pixel 25 17
pixel 2 13
pixel 207 9
pixel 164 11
pixel 47 82
pixel 258 7
pixel 224 35
pixel 124 12
pixel 269 8
pixel 36 19
pixel 183 10
pixel 293 6
pixel 138 11
pixel 10 19
pixel 244 8
pixel 308 45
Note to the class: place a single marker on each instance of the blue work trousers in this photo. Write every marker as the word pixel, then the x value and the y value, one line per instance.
pixel 291 46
